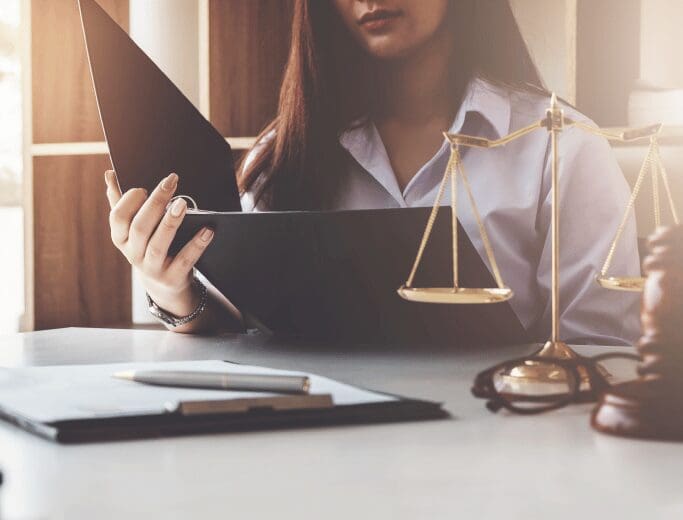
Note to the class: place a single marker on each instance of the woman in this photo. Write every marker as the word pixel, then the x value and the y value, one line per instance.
pixel 368 89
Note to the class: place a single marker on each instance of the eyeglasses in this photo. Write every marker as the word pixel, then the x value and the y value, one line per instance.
pixel 568 381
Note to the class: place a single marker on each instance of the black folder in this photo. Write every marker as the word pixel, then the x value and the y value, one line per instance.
pixel 334 275
pixel 151 128
pixel 329 275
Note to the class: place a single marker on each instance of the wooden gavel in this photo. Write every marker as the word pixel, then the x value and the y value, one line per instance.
pixel 652 405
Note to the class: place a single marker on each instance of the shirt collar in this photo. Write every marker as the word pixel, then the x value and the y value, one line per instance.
pixel 489 101
pixel 365 145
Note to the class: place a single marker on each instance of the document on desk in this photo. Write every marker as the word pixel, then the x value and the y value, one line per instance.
pixel 83 403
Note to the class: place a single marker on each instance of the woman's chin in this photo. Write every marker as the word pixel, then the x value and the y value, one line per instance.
pixel 388 48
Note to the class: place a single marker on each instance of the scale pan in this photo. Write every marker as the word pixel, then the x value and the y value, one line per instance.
pixel 454 296
pixel 622 283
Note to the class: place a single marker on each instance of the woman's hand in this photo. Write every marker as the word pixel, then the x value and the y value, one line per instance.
pixel 142 228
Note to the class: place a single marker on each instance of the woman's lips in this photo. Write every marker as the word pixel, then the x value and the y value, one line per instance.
pixel 378 20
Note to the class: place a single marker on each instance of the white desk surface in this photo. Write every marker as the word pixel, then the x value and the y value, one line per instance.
pixel 475 465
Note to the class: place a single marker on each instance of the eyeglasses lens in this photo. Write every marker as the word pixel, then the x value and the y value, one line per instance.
pixel 534 384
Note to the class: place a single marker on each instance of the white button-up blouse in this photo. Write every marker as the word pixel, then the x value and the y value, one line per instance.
pixel 511 186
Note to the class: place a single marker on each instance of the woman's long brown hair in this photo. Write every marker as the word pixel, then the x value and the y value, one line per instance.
pixel 327 87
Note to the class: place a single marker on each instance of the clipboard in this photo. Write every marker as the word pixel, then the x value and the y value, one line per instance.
pixel 78 404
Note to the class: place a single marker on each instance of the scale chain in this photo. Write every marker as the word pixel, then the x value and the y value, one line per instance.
pixel 665 182
pixel 455 153
pixel 430 222
pixel 654 171
pixel 480 224
pixel 634 195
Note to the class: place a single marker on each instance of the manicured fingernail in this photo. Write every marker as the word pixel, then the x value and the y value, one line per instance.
pixel 109 176
pixel 206 235
pixel 169 183
pixel 178 207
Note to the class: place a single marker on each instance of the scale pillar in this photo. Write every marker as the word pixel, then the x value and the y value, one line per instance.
pixel 537 372
pixel 555 122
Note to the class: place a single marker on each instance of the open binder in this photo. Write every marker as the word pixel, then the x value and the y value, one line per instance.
pixel 334 275
pixel 331 275
pixel 84 403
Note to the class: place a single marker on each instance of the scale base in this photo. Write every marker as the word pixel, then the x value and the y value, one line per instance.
pixel 535 373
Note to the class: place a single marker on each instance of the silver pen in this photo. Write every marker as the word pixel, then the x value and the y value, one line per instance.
pixel 220 380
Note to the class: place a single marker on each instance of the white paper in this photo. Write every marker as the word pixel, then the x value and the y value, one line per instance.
pixel 57 393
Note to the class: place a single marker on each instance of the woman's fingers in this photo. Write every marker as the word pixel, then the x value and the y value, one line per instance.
pixel 113 189
pixel 143 229
pixel 147 219
pixel 122 214
pixel 157 248
pixel 188 256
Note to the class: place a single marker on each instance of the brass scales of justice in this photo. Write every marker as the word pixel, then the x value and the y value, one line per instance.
pixel 554 123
